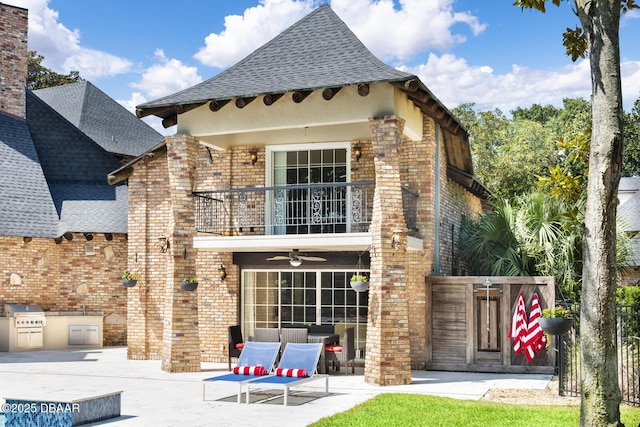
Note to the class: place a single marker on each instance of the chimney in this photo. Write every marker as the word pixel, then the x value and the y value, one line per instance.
pixel 13 59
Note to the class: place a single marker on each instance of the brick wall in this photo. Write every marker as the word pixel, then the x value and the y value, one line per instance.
pixel 403 273
pixel 13 59
pixel 50 274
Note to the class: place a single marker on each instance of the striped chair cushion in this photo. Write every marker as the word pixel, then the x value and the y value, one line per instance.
pixel 291 372
pixel 250 370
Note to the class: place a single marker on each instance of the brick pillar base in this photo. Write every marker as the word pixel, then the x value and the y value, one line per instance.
pixel 388 353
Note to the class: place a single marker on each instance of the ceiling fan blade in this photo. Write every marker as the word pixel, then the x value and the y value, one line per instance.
pixel 311 258
pixel 278 258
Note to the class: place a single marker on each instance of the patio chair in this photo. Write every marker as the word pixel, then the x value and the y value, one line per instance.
pixel 342 352
pixel 254 355
pixel 298 335
pixel 297 366
pixel 236 343
pixel 322 329
pixel 266 335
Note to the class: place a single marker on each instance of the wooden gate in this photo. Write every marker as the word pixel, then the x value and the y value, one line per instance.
pixel 468 321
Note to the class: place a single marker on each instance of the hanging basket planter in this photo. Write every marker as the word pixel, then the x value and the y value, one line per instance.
pixel 130 278
pixel 556 325
pixel 189 285
pixel 129 283
pixel 359 281
pixel 360 286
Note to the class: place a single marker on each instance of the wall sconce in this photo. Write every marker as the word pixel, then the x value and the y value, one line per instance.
pixel 88 236
pixel 357 152
pixel 396 238
pixel 164 244
pixel 253 156
pixel 222 272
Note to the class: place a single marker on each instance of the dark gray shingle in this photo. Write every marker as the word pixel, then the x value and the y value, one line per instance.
pixel 101 118
pixel 318 51
pixel 27 208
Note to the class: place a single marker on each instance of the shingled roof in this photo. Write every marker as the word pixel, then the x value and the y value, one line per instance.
pixel 27 208
pixel 317 52
pixel 75 167
pixel 101 118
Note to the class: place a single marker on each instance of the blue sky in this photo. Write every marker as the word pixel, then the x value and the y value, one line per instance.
pixel 485 52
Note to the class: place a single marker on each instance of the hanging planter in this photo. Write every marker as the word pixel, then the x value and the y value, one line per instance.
pixel 190 284
pixel 130 278
pixel 556 325
pixel 359 282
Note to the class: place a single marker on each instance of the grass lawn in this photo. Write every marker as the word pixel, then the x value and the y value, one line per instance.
pixel 418 410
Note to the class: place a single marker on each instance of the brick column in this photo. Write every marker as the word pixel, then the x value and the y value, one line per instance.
pixel 181 341
pixel 388 353
pixel 138 226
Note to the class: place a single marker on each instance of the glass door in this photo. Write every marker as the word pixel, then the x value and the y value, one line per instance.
pixel 278 298
pixel 304 208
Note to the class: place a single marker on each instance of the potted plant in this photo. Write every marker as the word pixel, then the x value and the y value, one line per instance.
pixel 359 282
pixel 556 321
pixel 130 278
pixel 189 284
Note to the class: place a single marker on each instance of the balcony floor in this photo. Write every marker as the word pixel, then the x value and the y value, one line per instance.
pixel 342 242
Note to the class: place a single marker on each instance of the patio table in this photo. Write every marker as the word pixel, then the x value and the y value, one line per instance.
pixel 325 339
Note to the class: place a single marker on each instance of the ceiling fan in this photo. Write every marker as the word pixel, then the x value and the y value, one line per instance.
pixel 295 258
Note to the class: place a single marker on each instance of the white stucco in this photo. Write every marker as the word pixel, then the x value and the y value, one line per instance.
pixel 344 117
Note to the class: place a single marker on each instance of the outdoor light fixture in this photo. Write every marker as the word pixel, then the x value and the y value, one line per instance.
pixel 253 156
pixel 357 152
pixel 222 272
pixel 68 236
pixel 396 238
pixel 164 244
pixel 295 262
pixel 26 239
pixel 108 237
pixel 88 236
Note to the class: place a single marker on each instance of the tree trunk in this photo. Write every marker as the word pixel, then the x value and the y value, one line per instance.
pixel 600 405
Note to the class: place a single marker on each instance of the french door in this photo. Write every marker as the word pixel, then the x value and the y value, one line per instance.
pixel 273 299
pixel 302 207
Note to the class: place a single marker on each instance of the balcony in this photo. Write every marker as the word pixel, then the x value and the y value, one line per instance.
pixel 293 210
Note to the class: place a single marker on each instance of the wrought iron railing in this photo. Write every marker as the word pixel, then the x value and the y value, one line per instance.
pixel 628 332
pixel 299 209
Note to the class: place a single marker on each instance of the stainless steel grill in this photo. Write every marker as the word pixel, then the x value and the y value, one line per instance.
pixel 29 322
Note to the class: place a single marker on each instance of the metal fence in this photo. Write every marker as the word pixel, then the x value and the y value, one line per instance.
pixel 299 209
pixel 628 333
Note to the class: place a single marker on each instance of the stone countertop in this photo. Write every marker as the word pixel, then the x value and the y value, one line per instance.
pixel 73 313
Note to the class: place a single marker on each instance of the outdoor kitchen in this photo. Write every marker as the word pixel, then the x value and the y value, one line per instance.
pixel 25 327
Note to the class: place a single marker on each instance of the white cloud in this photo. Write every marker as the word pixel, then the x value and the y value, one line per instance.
pixel 418 26
pixel 93 64
pixel 243 34
pixel 167 76
pixel 630 82
pixel 61 47
pixel 454 82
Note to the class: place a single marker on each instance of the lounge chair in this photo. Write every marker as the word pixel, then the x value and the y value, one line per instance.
pixel 254 354
pixel 297 358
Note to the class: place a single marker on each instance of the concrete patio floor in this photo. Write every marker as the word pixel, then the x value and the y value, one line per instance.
pixel 152 397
